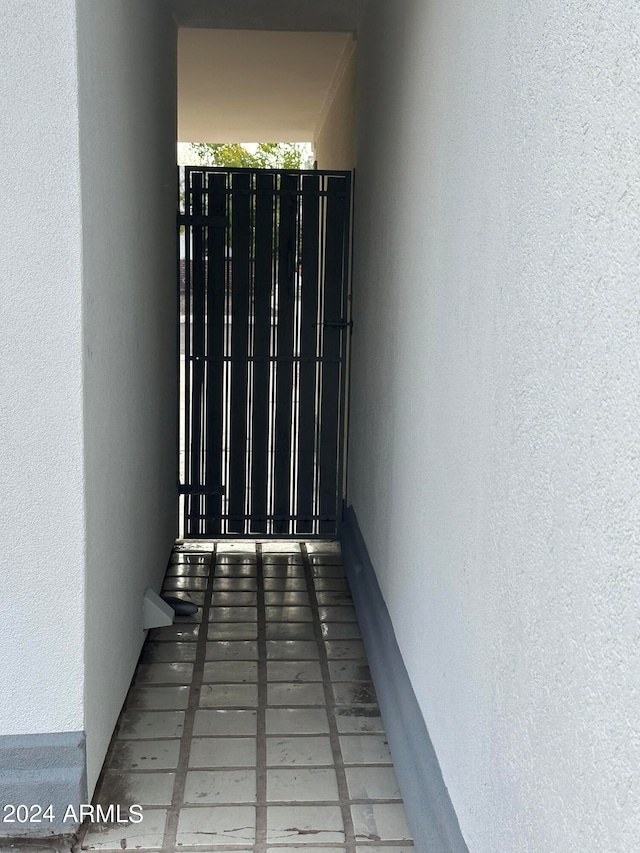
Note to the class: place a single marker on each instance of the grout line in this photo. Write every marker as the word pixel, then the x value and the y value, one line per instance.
pixel 171 829
pixel 261 741
pixel 376 801
pixel 334 737
pixel 330 706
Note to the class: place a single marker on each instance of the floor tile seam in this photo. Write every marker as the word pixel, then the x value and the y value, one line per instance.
pixel 215 768
pixel 154 710
pixel 284 766
pixel 138 771
pixel 343 791
pixel 376 801
pixel 299 766
pixel 265 803
pixel 129 739
pixel 300 706
pixel 261 829
pixel 241 735
pixel 171 826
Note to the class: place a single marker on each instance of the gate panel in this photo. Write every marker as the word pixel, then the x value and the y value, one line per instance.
pixel 308 343
pixel 284 353
pixel 239 331
pixel 215 265
pixel 197 355
pixel 263 296
pixel 332 333
pixel 265 337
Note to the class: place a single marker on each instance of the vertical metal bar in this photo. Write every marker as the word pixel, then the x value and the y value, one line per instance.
pixel 261 332
pixel 240 246
pixel 179 377
pixel 186 375
pixel 198 354
pixel 273 348
pixel 332 348
pixel 295 391
pixel 308 349
pixel 345 354
pixel 216 249
pixel 227 353
pixel 284 370
pixel 322 231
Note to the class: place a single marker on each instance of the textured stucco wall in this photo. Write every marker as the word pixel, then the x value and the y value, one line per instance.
pixel 334 143
pixel 127 134
pixel 495 451
pixel 41 470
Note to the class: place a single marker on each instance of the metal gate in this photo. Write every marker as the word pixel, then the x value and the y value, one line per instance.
pixel 264 327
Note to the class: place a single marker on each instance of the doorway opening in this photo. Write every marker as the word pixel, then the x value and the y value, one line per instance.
pixel 265 307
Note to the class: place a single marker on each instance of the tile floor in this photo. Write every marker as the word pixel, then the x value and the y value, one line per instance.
pixel 253 726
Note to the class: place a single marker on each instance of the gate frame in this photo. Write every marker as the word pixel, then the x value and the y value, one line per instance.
pixel 184 219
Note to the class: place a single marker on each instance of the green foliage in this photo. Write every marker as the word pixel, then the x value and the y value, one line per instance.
pixel 268 155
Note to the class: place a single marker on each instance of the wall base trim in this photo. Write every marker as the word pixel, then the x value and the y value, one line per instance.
pixel 42 770
pixel 430 812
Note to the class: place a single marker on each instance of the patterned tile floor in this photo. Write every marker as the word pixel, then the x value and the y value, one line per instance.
pixel 253 726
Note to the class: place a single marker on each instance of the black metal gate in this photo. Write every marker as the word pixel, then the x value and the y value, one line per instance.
pixel 264 327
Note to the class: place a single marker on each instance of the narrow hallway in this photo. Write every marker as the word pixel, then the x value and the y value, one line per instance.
pixel 254 725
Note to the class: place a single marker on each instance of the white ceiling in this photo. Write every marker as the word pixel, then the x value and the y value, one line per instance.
pixel 256 86
pixel 305 15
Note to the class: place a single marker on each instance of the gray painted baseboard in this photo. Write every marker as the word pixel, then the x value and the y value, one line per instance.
pixel 42 769
pixel 430 813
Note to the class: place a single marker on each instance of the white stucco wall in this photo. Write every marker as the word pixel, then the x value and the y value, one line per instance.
pixel 334 141
pixel 127 68
pixel 495 448
pixel 41 469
